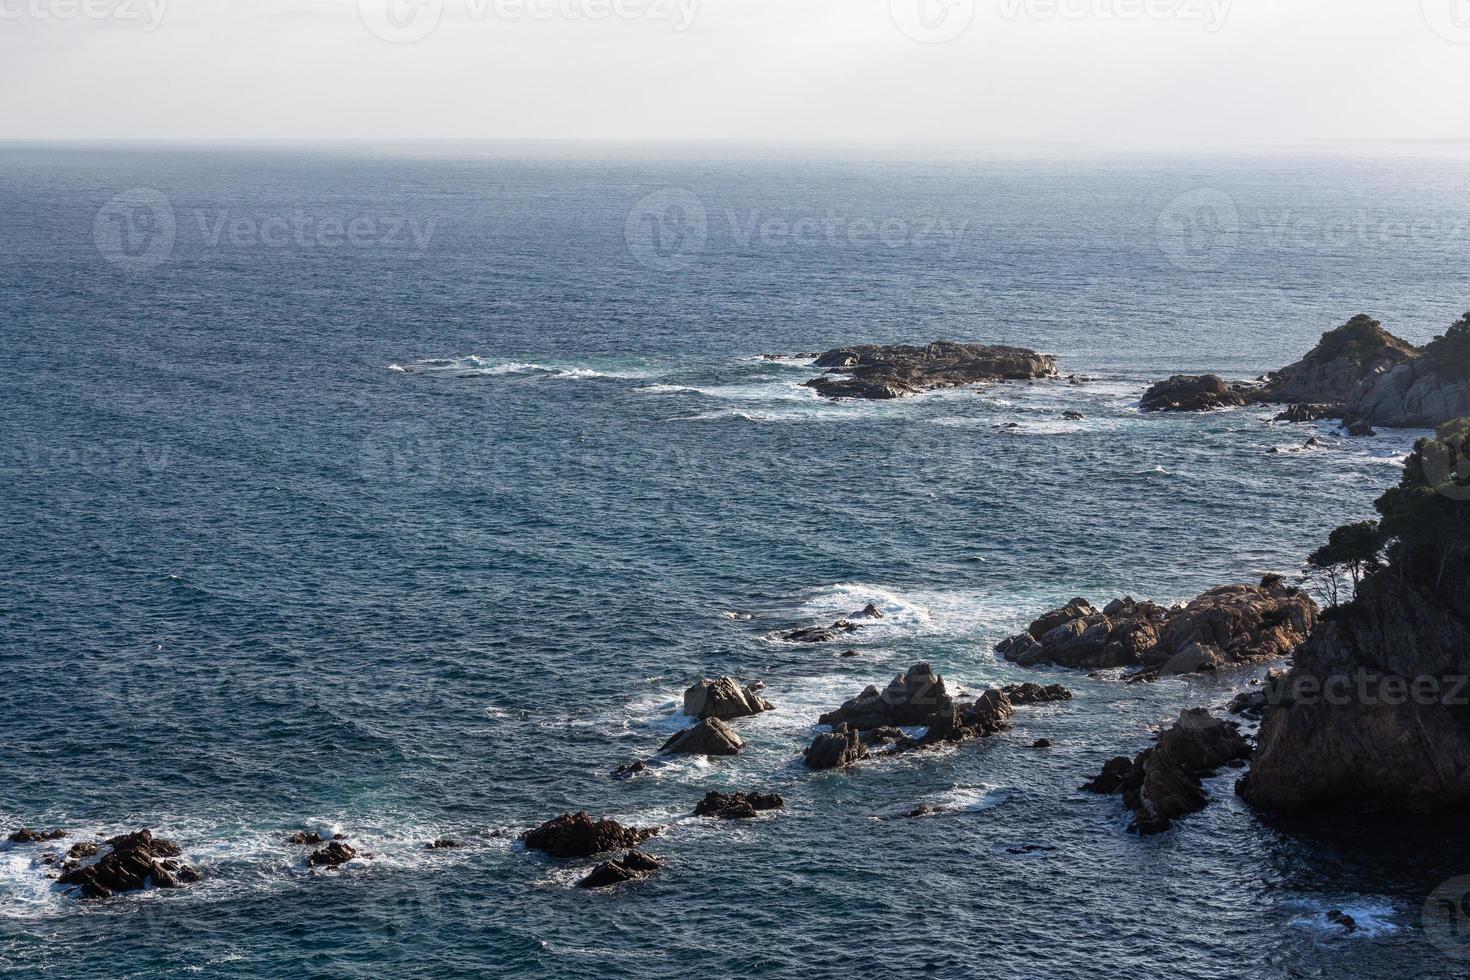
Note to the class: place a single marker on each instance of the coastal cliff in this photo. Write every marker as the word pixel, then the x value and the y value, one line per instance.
pixel 1376 710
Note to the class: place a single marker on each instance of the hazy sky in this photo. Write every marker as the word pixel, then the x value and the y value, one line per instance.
pixel 1154 72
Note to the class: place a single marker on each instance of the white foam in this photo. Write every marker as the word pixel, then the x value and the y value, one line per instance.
pixel 474 365
pixel 1374 918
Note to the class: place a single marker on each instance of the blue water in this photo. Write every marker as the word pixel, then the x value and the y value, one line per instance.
pixel 409 538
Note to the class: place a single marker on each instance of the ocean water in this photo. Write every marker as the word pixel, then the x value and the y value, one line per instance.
pixel 403 495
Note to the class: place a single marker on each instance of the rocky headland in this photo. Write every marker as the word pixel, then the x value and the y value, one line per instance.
pixel 876 372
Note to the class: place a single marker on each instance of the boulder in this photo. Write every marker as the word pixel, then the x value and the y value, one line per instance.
pixel 1073 416
pixel 334 855
pixel 1226 626
pixel 1309 413
pixel 629 771
pixel 1163 783
pixel 133 862
pixel 1025 695
pixel 1041 743
pixel 633 866
pixel 578 835
pixel 709 737
pixel 873 372
pixel 737 806
pixel 724 699
pixel 25 835
pixel 836 749
pixel 1192 393
pixel 443 844
pixel 910 699
pixel 306 837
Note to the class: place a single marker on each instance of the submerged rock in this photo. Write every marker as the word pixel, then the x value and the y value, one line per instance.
pixel 578 835
pixel 873 372
pixel 134 862
pixel 443 844
pixel 737 806
pixel 709 737
pixel 724 699
pixel 819 634
pixel 1163 783
pixel 633 866
pixel 1226 626
pixel 1309 413
pixel 629 771
pixel 1193 393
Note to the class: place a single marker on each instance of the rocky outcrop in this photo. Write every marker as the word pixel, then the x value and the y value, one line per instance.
pixel 334 855
pixel 819 634
pixel 836 749
pixel 443 844
pixel 709 737
pixel 25 835
pixel 724 699
pixel 633 866
pixel 737 806
pixel 873 372
pixel 1193 393
pixel 910 699
pixel 1344 360
pixel 133 862
pixel 1227 626
pixel 1163 783
pixel 306 837
pixel 1025 695
pixel 1309 413
pixel 630 770
pixel 578 835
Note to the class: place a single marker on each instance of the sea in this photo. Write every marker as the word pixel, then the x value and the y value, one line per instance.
pixel 400 491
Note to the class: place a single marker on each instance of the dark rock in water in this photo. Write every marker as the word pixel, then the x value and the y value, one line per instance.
pixel 629 771
pixel 819 634
pixel 1073 416
pixel 133 862
pixel 1041 743
pixel 1025 695
pixel 578 835
pixel 1359 428
pixel 443 844
pixel 1227 626
pixel 1309 413
pixel 1345 360
pixel 634 865
pixel 724 699
pixel 1340 918
pixel 873 372
pixel 304 837
pixel 737 806
pixel 709 737
pixel 334 855
pixel 1031 849
pixel 1163 783
pixel 1192 393
pixel 1254 703
pixel 27 836
pixel 870 611
pixel 848 654
pixel 836 749
pixel 910 699
pixel 83 850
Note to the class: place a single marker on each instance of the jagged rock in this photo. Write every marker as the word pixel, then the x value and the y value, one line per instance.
pixel 1192 393
pixel 629 771
pixel 1340 918
pixel 737 806
pixel 723 699
pixel 634 865
pixel 82 850
pixel 873 372
pixel 1025 695
pixel 578 835
pixel 870 611
pixel 836 749
pixel 133 862
pixel 443 844
pixel 1227 626
pixel 25 835
pixel 304 837
pixel 1309 413
pixel 819 634
pixel 1163 783
pixel 709 737
pixel 334 855
pixel 910 699
pixel 1356 353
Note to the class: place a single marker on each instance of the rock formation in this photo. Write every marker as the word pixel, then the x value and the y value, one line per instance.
pixel 819 634
pixel 709 737
pixel 133 862
pixel 723 699
pixel 836 749
pixel 737 806
pixel 1344 360
pixel 1163 782
pixel 578 835
pixel 633 866
pixel 334 855
pixel 1376 710
pixel 1423 391
pixel 25 835
pixel 1025 695
pixel 1193 393
pixel 1227 626
pixel 874 372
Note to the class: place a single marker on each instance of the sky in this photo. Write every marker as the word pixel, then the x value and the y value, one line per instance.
pixel 1145 73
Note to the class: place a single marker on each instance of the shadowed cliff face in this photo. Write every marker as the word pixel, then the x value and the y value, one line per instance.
pixel 1426 390
pixel 1376 710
